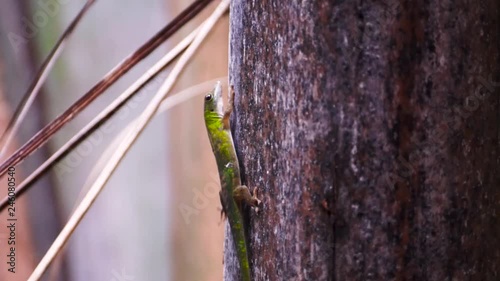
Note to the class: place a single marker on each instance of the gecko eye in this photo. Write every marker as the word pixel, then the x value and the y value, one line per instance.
pixel 208 97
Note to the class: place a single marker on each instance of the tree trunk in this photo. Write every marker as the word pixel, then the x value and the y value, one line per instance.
pixel 371 129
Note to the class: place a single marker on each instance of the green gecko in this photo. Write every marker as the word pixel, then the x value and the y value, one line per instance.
pixel 233 194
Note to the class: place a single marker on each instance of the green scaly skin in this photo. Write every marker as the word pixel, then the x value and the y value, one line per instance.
pixel 233 195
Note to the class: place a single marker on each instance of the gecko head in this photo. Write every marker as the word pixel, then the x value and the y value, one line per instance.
pixel 213 100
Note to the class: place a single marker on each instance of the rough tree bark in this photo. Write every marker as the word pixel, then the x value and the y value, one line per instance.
pixel 371 128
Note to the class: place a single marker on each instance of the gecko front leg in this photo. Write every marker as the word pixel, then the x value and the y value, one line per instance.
pixel 242 194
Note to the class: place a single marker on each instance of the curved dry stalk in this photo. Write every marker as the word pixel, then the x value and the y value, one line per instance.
pixel 41 76
pixel 132 136
pixel 100 119
pixel 48 131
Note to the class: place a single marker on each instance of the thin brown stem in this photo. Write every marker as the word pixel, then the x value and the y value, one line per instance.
pixel 39 79
pixel 43 135
pixel 100 119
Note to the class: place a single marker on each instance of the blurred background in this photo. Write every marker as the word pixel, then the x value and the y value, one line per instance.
pixel 158 217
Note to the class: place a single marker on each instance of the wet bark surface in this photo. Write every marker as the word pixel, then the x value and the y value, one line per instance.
pixel 372 131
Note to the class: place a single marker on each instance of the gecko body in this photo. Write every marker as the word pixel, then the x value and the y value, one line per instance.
pixel 233 195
